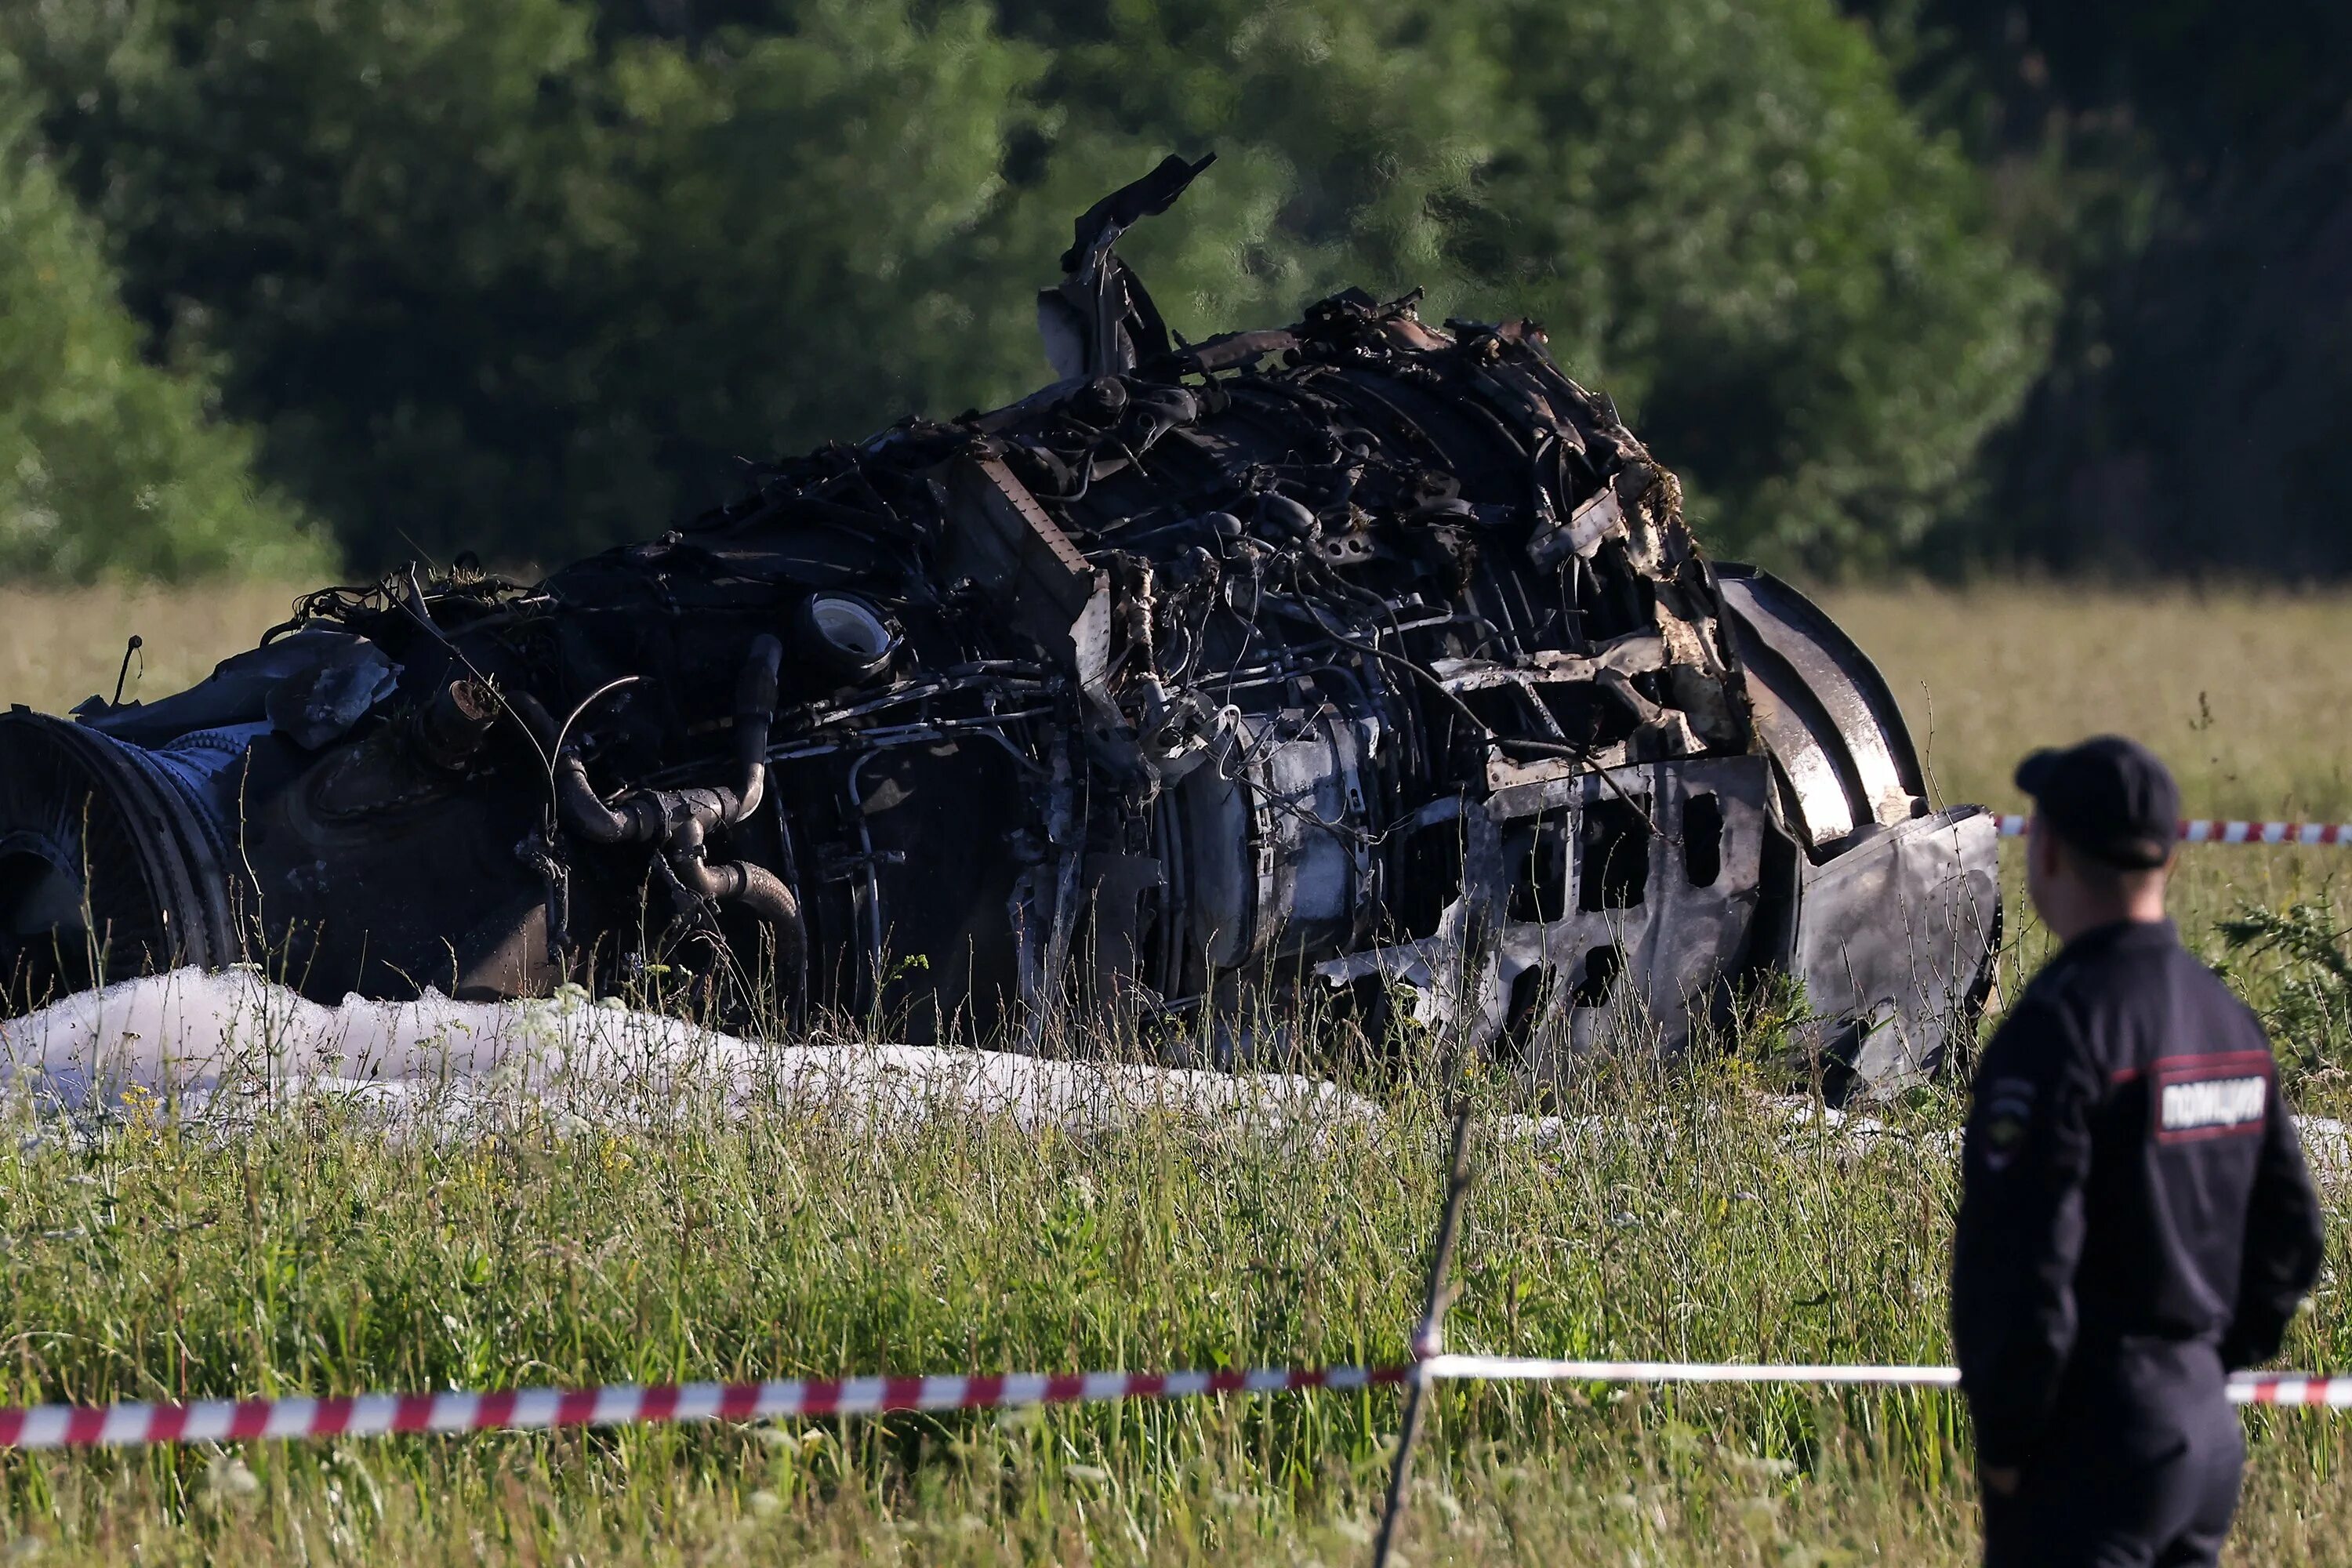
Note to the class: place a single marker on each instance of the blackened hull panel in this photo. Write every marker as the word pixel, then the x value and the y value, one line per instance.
pixel 1663 876
pixel 933 823
pixel 1894 944
pixel 1600 910
pixel 1897 913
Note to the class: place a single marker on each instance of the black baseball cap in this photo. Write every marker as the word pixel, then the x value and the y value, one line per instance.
pixel 2110 797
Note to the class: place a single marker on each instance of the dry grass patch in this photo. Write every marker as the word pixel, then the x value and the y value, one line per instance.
pixel 2243 692
pixel 59 645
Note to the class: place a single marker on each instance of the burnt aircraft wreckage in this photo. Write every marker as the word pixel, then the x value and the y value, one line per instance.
pixel 1359 657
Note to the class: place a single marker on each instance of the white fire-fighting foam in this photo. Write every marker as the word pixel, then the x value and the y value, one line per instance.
pixel 232 1045
pixel 225 1045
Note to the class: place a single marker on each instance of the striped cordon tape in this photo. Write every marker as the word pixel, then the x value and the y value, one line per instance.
pixel 2209 830
pixel 621 1405
pixel 368 1416
pixel 2245 1387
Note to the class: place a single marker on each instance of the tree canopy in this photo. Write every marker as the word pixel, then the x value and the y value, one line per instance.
pixel 108 463
pixel 534 276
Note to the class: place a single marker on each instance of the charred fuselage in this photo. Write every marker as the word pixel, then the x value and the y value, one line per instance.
pixel 1360 657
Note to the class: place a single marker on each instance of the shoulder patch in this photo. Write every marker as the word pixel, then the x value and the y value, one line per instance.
pixel 2005 1117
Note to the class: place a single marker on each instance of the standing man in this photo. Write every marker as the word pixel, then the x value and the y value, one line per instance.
pixel 2135 1219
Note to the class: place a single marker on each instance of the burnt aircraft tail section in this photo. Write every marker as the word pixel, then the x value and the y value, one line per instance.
pixel 1891 912
pixel 1363 654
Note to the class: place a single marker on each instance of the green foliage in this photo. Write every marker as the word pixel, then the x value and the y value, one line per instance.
pixel 2304 982
pixel 1721 211
pixel 1793 288
pixel 368 212
pixel 530 277
pixel 108 464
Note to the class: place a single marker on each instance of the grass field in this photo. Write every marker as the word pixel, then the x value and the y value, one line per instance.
pixel 1685 1219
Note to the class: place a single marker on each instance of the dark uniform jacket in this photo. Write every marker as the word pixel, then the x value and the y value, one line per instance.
pixel 2129 1172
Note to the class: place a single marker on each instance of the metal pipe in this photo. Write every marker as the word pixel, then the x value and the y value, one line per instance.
pixel 746 882
pixel 644 815
pixel 755 708
pixel 636 818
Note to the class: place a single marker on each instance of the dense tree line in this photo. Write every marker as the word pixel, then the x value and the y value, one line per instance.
pixel 423 275
pixel 2183 173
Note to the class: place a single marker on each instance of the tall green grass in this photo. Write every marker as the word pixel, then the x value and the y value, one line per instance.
pixel 1660 1212
pixel 1673 1212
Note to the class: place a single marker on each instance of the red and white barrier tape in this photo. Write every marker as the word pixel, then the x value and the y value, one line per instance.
pixel 2244 1388
pixel 2291 1388
pixel 2209 830
pixel 618 1405
pixel 1530 1369
pixel 367 1416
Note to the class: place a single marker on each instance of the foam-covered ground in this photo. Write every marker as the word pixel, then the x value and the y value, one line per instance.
pixel 221 1045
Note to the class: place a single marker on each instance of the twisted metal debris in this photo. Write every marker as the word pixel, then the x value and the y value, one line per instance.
pixel 1362 659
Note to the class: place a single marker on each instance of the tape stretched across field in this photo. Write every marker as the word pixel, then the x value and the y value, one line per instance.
pixel 2212 830
pixel 2245 1387
pixel 621 1405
